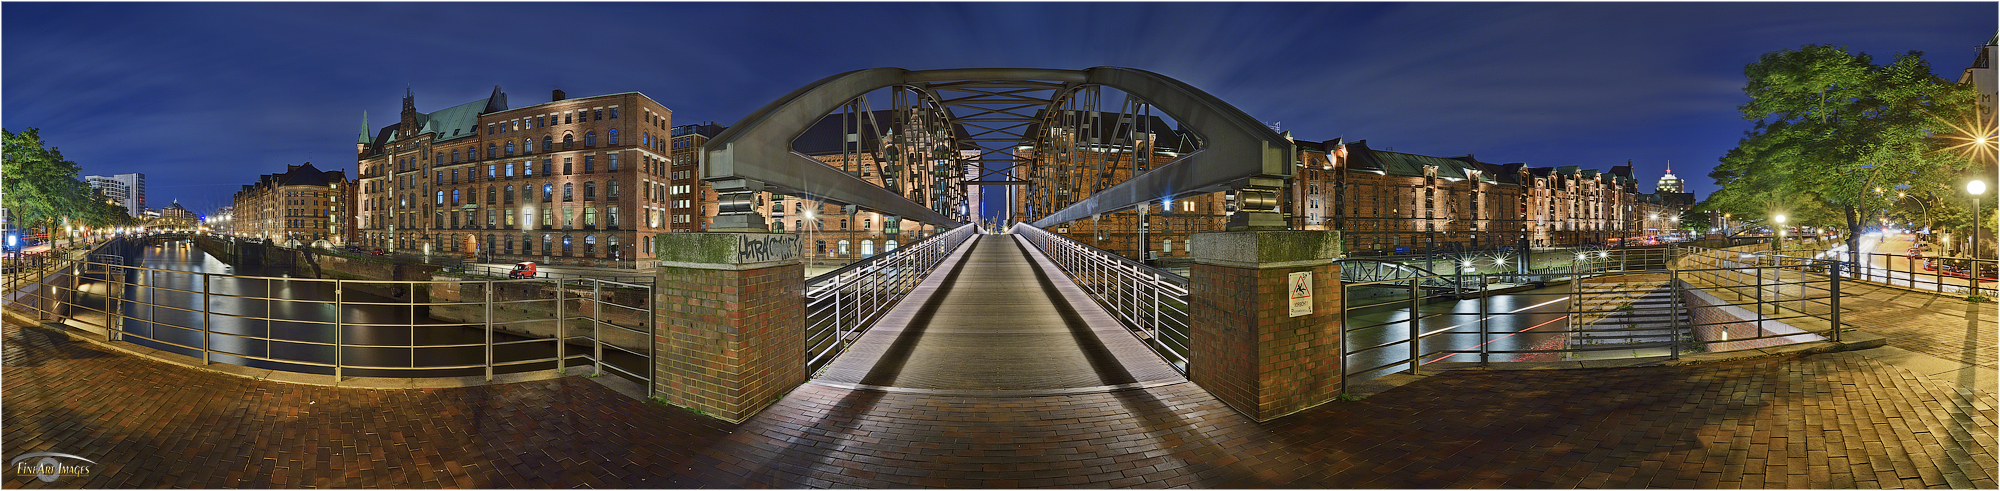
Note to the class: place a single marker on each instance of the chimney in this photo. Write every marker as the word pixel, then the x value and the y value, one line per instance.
pixel 557 95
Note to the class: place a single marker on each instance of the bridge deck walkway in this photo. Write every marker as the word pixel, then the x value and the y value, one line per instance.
pixel 998 319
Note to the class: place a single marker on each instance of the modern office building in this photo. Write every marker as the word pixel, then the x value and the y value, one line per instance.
pixel 127 190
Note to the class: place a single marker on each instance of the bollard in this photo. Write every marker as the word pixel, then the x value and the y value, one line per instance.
pixel 596 323
pixel 1414 304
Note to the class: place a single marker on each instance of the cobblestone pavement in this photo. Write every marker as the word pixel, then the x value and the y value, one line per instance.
pixel 1943 326
pixel 1793 421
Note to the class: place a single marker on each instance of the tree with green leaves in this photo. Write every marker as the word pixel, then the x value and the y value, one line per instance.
pixel 1830 128
pixel 40 186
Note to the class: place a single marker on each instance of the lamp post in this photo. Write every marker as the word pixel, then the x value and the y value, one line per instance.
pixel 1780 244
pixel 1922 204
pixel 1976 187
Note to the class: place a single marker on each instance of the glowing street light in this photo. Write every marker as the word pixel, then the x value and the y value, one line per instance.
pixel 1976 187
pixel 1780 244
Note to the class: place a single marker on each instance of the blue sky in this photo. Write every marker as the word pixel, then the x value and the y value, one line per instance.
pixel 204 97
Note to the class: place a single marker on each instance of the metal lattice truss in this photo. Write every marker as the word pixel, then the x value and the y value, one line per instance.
pixel 970 127
pixel 1358 270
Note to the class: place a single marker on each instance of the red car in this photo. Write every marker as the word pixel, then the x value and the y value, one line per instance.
pixel 524 269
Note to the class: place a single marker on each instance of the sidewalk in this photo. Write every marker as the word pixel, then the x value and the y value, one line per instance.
pixel 1862 419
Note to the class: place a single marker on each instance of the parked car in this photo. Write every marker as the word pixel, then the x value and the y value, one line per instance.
pixel 378 251
pixel 524 269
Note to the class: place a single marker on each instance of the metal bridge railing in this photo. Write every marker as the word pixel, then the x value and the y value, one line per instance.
pixel 842 303
pixel 1153 304
pixel 349 328
pixel 1711 303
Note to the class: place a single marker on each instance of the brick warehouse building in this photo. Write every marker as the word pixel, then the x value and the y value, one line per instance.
pixel 303 203
pixel 1383 202
pixel 570 181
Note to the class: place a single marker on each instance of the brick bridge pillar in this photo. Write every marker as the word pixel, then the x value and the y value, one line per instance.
pixel 730 322
pixel 1251 348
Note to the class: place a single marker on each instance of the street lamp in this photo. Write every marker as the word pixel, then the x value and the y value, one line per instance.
pixel 1780 244
pixel 1976 187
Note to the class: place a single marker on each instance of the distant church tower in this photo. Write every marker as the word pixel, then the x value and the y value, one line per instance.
pixel 1668 183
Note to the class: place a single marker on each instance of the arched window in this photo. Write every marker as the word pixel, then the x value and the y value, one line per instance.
pixel 548 143
pixel 527 244
pixel 490 195
pixel 566 245
pixel 509 248
pixel 590 139
pixel 545 244
pixel 510 148
pixel 440 198
pixel 819 247
pixel 843 247
pixel 589 244
pixel 454 156
pixel 489 244
pixel 490 148
pixel 527 145
pixel 548 192
pixel 611 136
pixel 843 224
pixel 611 246
pixel 508 197
pixel 867 248
pixel 589 190
pixel 569 141
pixel 454 197
pixel 569 191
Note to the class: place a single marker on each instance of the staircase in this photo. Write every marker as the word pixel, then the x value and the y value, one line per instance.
pixel 1630 319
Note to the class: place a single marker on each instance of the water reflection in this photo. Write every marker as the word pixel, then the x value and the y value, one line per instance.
pixel 266 319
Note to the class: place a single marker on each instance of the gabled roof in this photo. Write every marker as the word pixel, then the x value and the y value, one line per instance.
pixel 1360 157
pixel 456 122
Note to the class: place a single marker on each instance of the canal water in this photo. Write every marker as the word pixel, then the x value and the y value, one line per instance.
pixel 1378 329
pixel 263 318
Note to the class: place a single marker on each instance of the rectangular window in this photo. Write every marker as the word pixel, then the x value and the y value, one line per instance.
pixel 569 217
pixel 611 216
pixel 509 171
pixel 590 216
pixel 614 112
pixel 612 163
pixel 547 220
pixel 545 166
pixel 492 171
pixel 599 115
pixel 589 164
pixel 566 165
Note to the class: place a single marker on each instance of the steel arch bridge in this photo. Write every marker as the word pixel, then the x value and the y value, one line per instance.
pixel 959 128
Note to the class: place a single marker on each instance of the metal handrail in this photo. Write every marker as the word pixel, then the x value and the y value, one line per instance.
pixel 1154 305
pixel 191 312
pixel 1708 303
pixel 843 303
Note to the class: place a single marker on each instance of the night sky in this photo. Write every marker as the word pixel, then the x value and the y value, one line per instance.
pixel 203 98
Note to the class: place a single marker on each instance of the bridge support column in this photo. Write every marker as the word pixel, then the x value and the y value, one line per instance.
pixel 1249 350
pixel 729 321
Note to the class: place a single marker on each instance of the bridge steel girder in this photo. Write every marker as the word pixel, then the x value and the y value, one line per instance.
pixel 1238 150
pixel 759 147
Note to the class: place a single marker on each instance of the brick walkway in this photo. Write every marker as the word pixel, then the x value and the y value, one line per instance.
pixel 1829 420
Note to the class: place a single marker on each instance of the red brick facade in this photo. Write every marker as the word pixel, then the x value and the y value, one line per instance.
pixel 730 341
pixel 570 181
pixel 1247 348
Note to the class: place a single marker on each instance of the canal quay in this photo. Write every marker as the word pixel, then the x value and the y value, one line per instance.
pixel 1087 406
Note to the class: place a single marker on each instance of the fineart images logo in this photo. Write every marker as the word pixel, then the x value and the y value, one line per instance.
pixel 49 468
